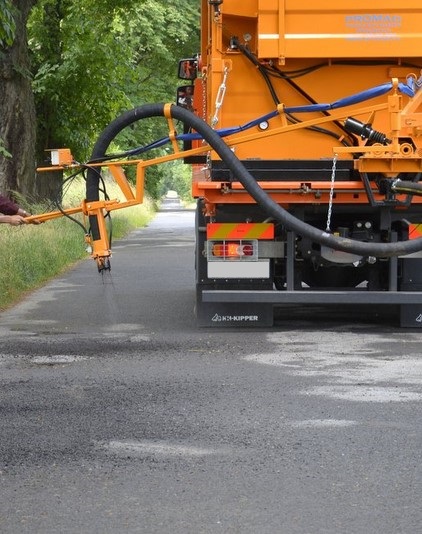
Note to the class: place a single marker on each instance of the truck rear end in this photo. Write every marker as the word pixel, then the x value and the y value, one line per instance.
pixel 321 105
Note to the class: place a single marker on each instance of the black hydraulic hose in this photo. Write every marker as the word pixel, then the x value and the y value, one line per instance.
pixel 352 139
pixel 101 146
pixel 381 250
pixel 406 187
pixel 266 72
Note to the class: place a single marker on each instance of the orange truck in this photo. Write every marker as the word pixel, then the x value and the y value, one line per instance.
pixel 303 125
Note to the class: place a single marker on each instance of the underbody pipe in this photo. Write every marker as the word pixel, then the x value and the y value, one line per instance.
pixel 380 250
pixel 407 188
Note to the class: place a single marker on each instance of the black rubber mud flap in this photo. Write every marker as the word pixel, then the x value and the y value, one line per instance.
pixel 233 314
pixel 411 315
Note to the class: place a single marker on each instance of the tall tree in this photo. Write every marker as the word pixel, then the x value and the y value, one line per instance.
pixel 90 60
pixel 94 58
pixel 17 111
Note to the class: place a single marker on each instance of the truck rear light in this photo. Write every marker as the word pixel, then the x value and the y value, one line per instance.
pixel 232 250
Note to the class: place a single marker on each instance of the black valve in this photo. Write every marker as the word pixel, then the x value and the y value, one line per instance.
pixel 365 131
pixel 216 4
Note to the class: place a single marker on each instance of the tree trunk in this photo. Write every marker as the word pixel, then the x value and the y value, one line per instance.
pixel 17 111
pixel 49 184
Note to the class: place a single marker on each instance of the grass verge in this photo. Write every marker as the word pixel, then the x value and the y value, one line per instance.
pixel 31 255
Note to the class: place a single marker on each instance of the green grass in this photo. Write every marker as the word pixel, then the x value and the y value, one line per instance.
pixel 30 255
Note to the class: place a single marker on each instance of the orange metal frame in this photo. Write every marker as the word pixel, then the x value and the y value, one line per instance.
pixel 375 158
pixel 294 34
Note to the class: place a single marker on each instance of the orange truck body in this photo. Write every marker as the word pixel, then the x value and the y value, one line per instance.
pixel 259 56
pixel 332 52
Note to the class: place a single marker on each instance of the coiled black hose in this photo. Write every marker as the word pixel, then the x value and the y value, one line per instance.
pixel 380 250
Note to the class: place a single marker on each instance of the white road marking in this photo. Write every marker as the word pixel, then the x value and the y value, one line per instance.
pixel 322 423
pixel 141 448
pixel 57 359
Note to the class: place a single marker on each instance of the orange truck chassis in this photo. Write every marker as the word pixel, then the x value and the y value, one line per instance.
pixel 303 126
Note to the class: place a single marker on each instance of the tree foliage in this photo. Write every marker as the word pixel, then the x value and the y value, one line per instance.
pixel 177 177
pixel 93 59
pixel 89 61
pixel 7 23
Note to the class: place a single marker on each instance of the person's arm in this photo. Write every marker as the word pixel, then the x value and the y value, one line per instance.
pixel 14 220
pixel 12 213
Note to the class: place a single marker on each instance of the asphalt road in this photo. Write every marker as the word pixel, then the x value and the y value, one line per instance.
pixel 118 415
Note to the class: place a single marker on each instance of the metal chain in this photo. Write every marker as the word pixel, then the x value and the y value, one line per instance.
pixel 220 98
pixel 330 202
pixel 207 167
pixel 204 96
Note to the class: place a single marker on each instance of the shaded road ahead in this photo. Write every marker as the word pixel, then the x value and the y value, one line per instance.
pixel 118 415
